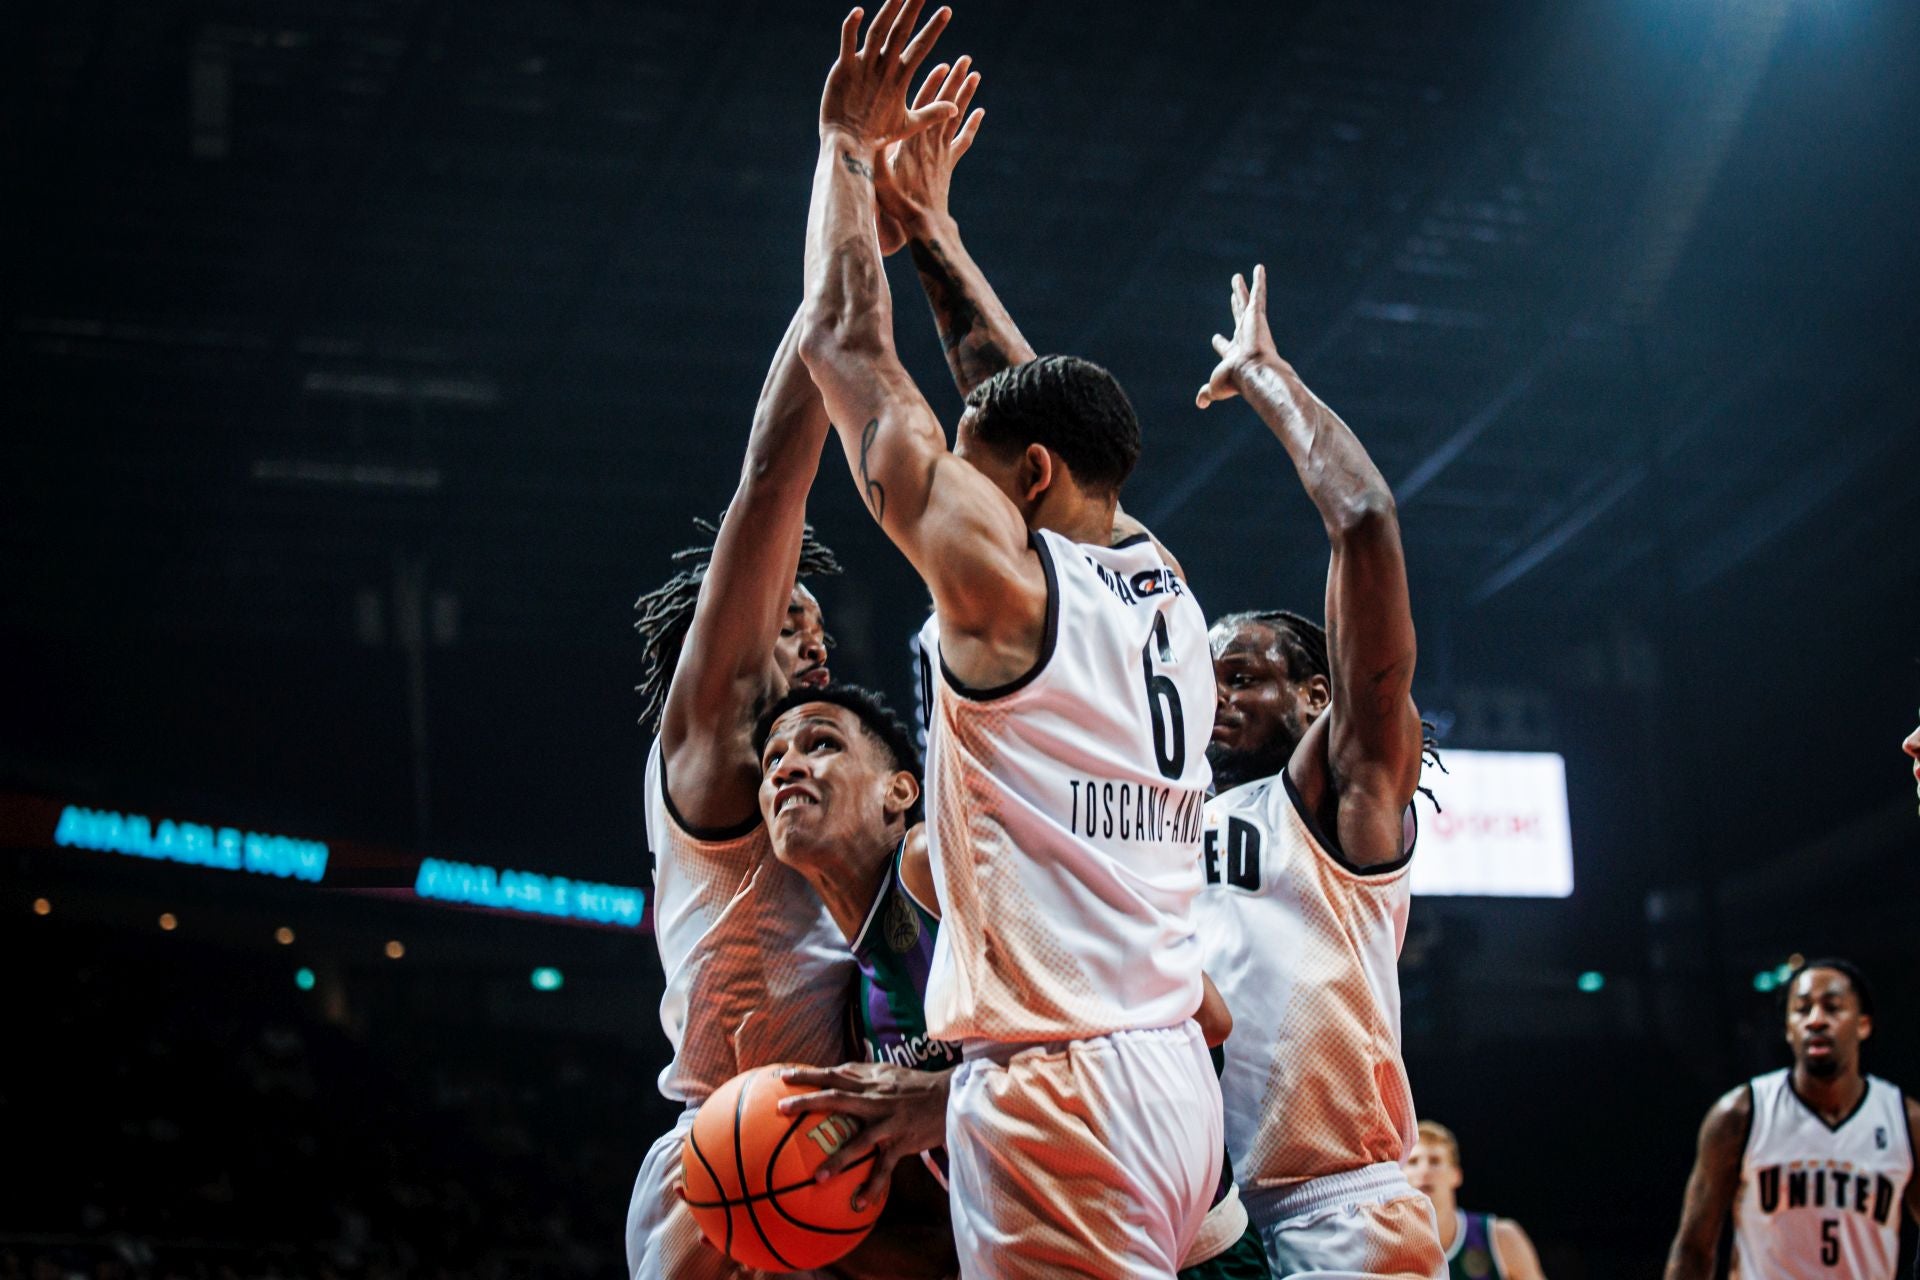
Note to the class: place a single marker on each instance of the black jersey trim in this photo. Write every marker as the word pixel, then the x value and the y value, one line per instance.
pixel 1048 638
pixel 1331 846
pixel 1866 1087
pixel 1133 540
pixel 707 835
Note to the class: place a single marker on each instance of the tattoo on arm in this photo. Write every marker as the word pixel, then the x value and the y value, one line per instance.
pixel 972 356
pixel 875 492
pixel 855 165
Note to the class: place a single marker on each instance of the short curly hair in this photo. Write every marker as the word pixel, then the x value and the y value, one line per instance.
pixel 875 716
pixel 1070 405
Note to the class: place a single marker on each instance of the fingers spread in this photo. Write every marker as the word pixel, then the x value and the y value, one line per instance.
pixel 1221 345
pixel 904 16
pixel 1239 293
pixel 850 35
pixel 926 117
pixel 934 86
pixel 1259 296
pixel 968 132
pixel 878 28
pixel 922 44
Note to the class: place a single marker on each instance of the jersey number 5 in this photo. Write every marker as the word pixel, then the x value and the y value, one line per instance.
pixel 1830 1242
pixel 1163 704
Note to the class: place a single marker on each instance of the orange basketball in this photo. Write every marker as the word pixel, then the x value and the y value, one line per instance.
pixel 749 1177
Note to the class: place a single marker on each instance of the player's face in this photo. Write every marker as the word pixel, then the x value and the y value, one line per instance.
pixel 1259 712
pixel 1431 1169
pixel 826 787
pixel 1824 1022
pixel 801 650
pixel 1912 747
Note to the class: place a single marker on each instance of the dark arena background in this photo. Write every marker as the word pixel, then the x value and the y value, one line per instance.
pixel 364 361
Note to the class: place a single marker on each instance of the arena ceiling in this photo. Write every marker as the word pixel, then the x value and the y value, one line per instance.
pixel 333 321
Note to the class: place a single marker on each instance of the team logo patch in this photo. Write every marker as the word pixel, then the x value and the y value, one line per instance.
pixel 903 924
pixel 1880 1137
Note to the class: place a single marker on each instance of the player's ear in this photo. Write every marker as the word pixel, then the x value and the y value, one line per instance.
pixel 902 792
pixel 1036 471
pixel 1318 693
pixel 1866 1025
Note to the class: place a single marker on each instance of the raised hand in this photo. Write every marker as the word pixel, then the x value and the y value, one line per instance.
pixel 866 92
pixel 902 1112
pixel 914 174
pixel 1251 345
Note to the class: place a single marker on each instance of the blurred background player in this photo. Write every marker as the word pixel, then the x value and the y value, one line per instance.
pixel 1814 1161
pixel 1477 1245
pixel 1316 751
pixel 756 972
pixel 1063 795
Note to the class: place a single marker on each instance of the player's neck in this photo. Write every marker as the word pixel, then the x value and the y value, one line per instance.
pixel 1448 1217
pixel 848 881
pixel 1076 517
pixel 1832 1099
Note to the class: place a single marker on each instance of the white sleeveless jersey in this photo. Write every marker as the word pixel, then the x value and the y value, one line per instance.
pixel 1065 811
pixel 1305 950
pixel 1816 1200
pixel 757 972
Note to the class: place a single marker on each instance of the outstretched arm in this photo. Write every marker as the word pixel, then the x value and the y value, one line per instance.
pixel 706 729
pixel 962 534
pixel 1370 744
pixel 911 184
pixel 1710 1187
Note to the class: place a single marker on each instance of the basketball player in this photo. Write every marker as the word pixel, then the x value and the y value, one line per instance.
pixel 1316 756
pixel 980 338
pixel 840 781
pixel 1065 779
pixel 1814 1161
pixel 755 970
pixel 1478 1245
pixel 840 784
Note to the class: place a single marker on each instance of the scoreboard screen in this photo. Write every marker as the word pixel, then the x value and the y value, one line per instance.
pixel 1502 829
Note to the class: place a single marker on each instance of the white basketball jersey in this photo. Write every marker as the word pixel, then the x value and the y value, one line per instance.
pixel 1305 950
pixel 1818 1200
pixel 1065 811
pixel 757 972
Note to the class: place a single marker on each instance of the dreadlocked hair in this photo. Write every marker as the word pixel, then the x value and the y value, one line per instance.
pixel 1303 643
pixel 667 611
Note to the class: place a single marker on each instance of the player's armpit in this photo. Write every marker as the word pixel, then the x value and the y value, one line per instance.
pixel 1711 1187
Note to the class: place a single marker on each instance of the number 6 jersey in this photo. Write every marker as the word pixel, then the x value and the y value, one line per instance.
pixel 1818 1199
pixel 1064 810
